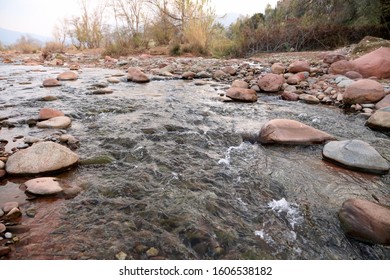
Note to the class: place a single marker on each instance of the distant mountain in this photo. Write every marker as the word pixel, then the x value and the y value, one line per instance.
pixel 8 37
pixel 229 18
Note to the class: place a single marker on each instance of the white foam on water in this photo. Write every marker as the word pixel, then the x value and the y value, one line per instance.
pixel 226 160
pixel 261 233
pixel 293 215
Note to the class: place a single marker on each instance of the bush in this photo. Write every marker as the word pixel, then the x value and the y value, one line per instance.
pixel 27 44
pixel 175 49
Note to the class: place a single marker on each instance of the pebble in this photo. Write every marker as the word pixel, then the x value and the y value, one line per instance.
pixel 31 212
pixel 2 228
pixel 8 235
pixel 8 206
pixel 2 164
pixel 152 252
pixel 4 251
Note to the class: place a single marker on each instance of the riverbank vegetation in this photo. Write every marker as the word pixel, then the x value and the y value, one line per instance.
pixel 123 27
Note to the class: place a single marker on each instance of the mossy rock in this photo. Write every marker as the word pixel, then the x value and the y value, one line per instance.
pixel 369 44
pixel 98 160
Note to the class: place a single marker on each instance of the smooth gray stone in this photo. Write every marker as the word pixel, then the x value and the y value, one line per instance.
pixel 356 155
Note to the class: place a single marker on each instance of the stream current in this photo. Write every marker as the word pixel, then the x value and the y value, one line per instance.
pixel 184 176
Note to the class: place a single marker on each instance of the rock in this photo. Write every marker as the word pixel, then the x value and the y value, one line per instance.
pixel 374 64
pixel 188 75
pixel 113 80
pixel 8 235
pixel 8 206
pixel 121 256
pixel 310 99
pixel 363 91
pixel 290 96
pixel 299 66
pixel 2 173
pixel 48 113
pixel 203 75
pixel 18 229
pixel 74 67
pixel 13 214
pixel 219 75
pixel 278 68
pixel 41 157
pixel 240 84
pixel 51 83
pixel 242 94
pixel 67 76
pixel 366 221
pixel 285 131
pixel 331 58
pixel 102 91
pixel 229 70
pixel 4 251
pixel 152 252
pixel 385 102
pixel 2 228
pixel 2 164
pixel 271 82
pixel 353 75
pixel 135 74
pixel 355 155
pixel 57 122
pixel 1 213
pixel 97 160
pixel 380 120
pixel 43 186
pixel 341 67
pixel 296 78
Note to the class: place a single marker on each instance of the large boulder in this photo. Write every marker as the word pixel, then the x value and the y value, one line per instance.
pixel 366 221
pixel 271 82
pixel 355 155
pixel 285 131
pixel 363 91
pixel 242 94
pixel 134 74
pixel 42 157
pixel 374 64
pixel 380 120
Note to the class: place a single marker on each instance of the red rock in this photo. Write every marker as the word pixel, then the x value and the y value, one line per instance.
pixel 134 74
pixel 43 186
pixel 363 91
pixel 299 66
pixel 285 131
pixel 229 70
pixel 366 221
pixel 353 75
pixel 296 79
pixel 278 68
pixel 290 96
pixel 271 82
pixel 2 228
pixel 8 206
pixel 242 94
pixel 2 173
pixel 188 75
pixel 74 66
pixel 48 113
pixel 67 76
pixel 385 102
pixel 4 251
pixel 51 83
pixel 341 67
pixel 334 57
pixel 240 84
pixel 56 122
pixel 374 64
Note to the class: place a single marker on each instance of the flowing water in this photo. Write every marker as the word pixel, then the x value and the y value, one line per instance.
pixel 185 175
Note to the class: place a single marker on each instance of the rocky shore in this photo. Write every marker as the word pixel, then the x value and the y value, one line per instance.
pixel 359 86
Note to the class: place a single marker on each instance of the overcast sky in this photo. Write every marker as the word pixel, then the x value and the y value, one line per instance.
pixel 39 16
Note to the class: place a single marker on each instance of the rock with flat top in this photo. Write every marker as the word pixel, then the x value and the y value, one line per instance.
pixel 42 157
pixel 283 131
pixel 56 122
pixel 48 113
pixel 67 76
pixel 43 186
pixel 355 155
pixel 242 94
pixel 380 120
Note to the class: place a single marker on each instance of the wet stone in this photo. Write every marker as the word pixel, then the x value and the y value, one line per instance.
pixel 102 91
pixel 14 213
pixel 51 83
pixel 1 213
pixel 2 228
pixel 4 251
pixel 8 206
pixel 380 120
pixel 43 186
pixel 355 155
pixel 67 76
pixel 56 122
pixel 113 80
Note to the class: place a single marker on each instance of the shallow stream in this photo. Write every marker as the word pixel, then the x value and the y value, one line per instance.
pixel 182 174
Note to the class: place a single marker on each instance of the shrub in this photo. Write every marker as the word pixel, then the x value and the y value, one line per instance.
pixel 27 44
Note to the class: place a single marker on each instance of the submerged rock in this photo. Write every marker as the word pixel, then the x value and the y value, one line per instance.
pixel 366 221
pixel 43 186
pixel 285 131
pixel 41 157
pixel 355 155
pixel 380 120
